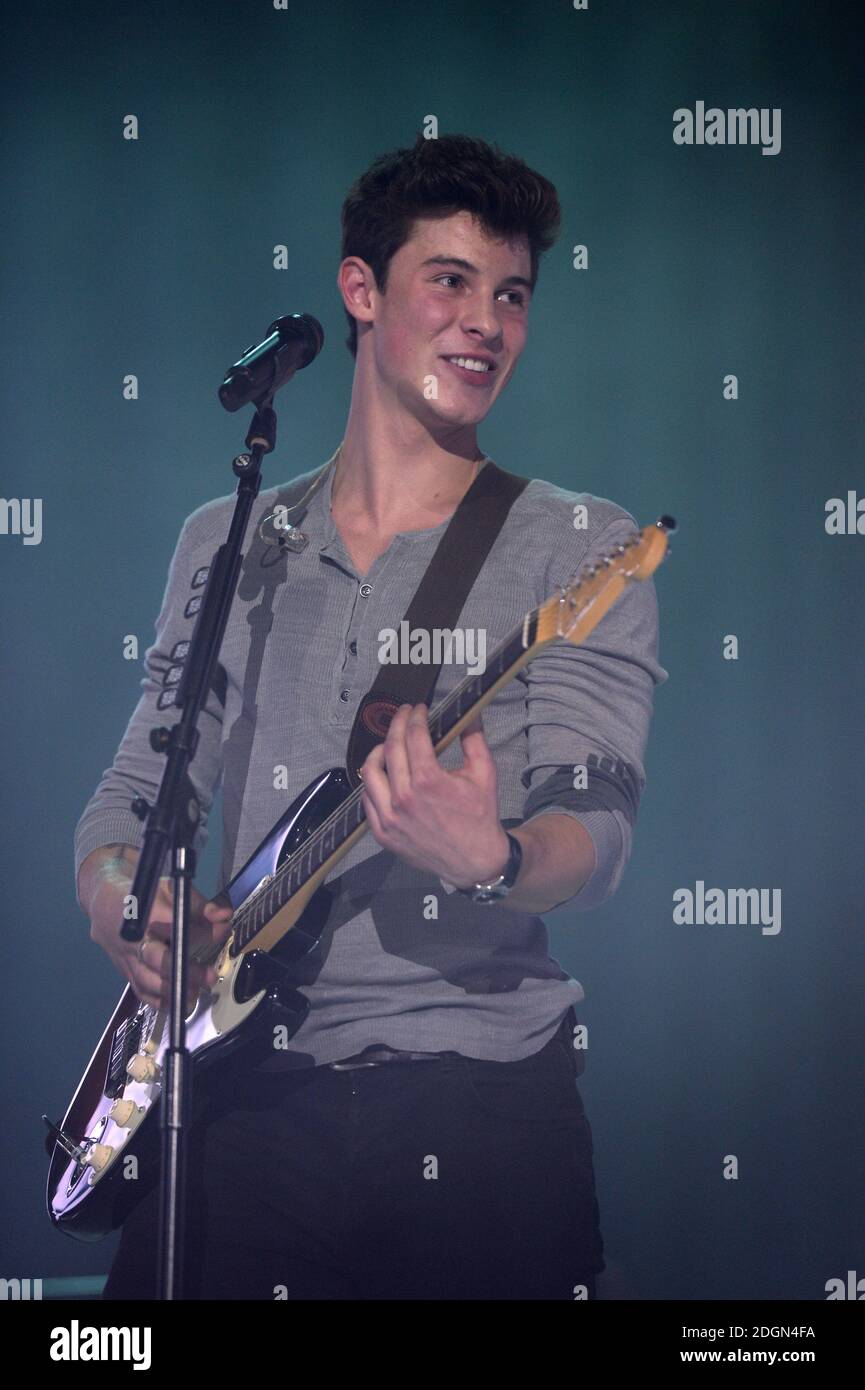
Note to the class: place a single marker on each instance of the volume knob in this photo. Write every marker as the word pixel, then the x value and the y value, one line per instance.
pixel 98 1155
pixel 142 1068
pixel 122 1111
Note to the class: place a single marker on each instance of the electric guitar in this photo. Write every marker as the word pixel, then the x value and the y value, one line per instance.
pixel 276 903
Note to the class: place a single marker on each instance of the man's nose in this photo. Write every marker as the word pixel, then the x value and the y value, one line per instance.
pixel 481 320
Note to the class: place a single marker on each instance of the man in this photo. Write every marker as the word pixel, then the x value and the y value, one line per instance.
pixel 422 1136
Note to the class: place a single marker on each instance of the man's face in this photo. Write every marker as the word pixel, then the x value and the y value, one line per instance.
pixel 453 291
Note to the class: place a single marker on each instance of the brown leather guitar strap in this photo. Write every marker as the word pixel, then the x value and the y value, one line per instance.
pixel 437 603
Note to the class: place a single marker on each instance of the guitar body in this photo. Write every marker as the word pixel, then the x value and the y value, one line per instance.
pixel 235 1022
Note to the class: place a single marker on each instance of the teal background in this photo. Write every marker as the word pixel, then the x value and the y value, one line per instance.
pixel 154 257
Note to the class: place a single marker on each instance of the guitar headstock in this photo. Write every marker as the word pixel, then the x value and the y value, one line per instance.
pixel 578 607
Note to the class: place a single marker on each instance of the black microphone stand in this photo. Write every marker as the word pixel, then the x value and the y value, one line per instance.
pixel 171 825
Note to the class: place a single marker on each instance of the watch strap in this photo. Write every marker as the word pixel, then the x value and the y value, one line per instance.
pixel 499 887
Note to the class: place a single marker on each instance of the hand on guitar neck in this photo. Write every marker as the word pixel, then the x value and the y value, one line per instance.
pixel 104 881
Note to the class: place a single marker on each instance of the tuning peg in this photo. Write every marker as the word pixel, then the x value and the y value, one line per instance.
pixel 667 523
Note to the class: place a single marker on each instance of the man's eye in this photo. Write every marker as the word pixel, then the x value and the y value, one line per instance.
pixel 517 296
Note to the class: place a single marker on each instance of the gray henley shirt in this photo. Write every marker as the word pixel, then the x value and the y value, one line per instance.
pixel 301 650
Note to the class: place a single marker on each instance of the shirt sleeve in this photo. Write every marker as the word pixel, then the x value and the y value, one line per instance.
pixel 137 769
pixel 589 709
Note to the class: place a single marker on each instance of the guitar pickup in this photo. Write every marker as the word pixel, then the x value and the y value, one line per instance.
pixel 124 1045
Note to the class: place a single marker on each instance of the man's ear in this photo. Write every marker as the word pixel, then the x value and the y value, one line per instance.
pixel 357 285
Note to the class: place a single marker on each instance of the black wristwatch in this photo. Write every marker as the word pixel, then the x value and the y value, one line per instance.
pixel 499 887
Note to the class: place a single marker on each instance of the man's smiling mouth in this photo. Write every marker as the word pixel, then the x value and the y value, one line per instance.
pixel 472 364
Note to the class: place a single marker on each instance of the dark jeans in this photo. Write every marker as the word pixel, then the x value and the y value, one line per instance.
pixel 445 1179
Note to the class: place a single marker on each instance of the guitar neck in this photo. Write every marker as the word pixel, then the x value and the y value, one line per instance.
pixel 570 614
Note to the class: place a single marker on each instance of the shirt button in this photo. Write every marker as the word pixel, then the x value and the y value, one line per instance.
pixel 366 590
pixel 353 648
pixel 343 694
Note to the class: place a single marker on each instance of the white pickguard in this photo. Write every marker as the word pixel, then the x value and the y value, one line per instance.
pixel 216 1014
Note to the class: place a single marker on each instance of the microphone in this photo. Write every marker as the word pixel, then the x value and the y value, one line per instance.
pixel 292 342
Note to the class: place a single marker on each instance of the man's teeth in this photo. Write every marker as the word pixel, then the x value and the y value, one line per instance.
pixel 473 363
